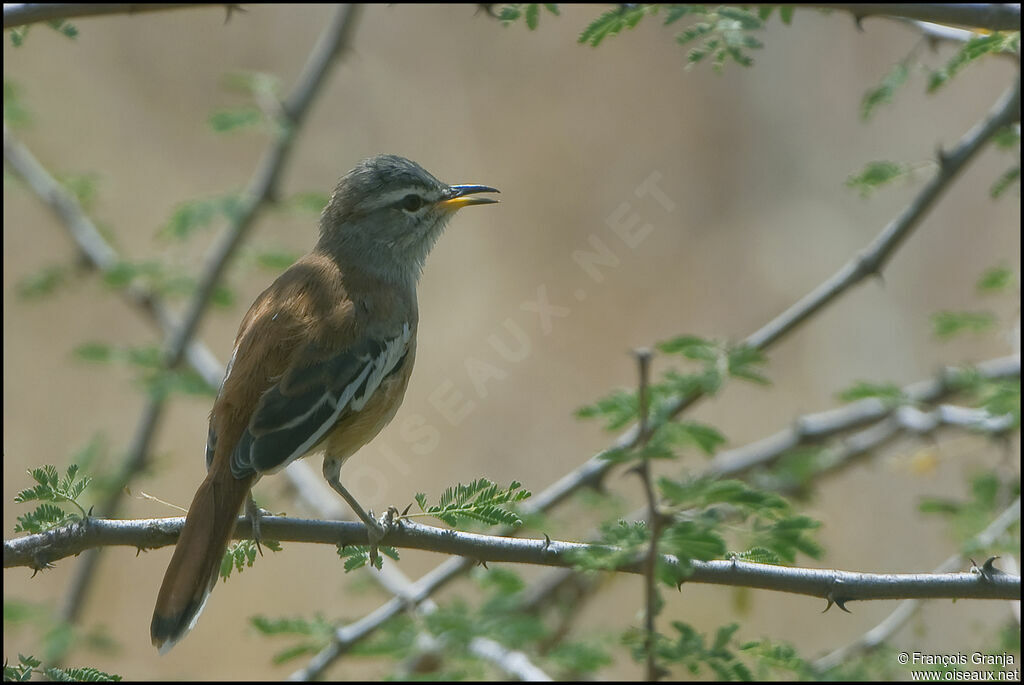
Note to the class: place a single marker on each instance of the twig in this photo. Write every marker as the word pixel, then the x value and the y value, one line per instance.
pixel 877 254
pixel 22 13
pixel 40 550
pixel 991 16
pixel 813 428
pixel 643 469
pixel 898 618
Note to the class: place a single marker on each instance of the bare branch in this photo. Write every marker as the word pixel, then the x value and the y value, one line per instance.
pixel 898 618
pixel 40 550
pixel 875 256
pixel 22 13
pixel 643 362
pixel 991 16
pixel 812 428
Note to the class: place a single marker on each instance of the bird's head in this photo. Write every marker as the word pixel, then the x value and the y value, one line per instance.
pixel 388 212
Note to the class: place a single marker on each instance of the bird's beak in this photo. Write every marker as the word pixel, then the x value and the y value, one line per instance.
pixel 461 196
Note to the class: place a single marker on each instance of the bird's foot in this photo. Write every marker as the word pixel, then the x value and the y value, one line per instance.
pixel 377 529
pixel 255 514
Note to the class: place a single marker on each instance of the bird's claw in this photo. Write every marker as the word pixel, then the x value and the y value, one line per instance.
pixel 377 529
pixel 255 514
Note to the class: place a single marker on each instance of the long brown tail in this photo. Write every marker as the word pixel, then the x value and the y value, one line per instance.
pixel 195 564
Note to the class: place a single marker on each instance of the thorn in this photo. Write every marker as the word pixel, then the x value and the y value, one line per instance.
pixel 943 158
pixel 547 541
pixel 406 510
pixel 483 563
pixel 858 21
pixel 833 599
pixel 988 570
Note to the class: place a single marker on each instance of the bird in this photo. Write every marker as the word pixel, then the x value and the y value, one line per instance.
pixel 321 362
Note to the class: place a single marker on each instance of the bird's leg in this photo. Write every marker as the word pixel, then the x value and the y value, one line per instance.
pixel 375 531
pixel 254 514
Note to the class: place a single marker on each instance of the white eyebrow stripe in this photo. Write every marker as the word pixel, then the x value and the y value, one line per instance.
pixel 395 196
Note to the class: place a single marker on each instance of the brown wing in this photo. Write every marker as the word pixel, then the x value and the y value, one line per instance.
pixel 302 362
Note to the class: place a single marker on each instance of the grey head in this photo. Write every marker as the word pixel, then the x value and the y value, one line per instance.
pixel 388 212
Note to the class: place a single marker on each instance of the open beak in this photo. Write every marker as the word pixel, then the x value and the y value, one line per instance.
pixel 462 196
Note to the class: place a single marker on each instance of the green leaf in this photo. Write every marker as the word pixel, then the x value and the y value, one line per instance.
pixel 745 20
pixel 788 536
pixel 189 217
pixel 18 34
pixel 52 491
pixel 742 359
pixel 690 346
pixel 619 543
pixel 42 518
pixel 786 14
pixel 759 555
pixel 242 554
pixel 948 324
pixel 82 186
pixel 235 118
pixel 65 28
pixel 691 33
pixel 313 202
pixel 701 493
pixel 877 174
pixel 275 260
pixel 480 500
pixel 972 50
pixel 15 113
pixel 617 409
pixel 532 14
pixel 43 282
pixel 1007 138
pixel 689 540
pixel 883 93
pixel 78 675
pixel 890 394
pixel 579 657
pixel 1005 180
pixel 690 433
pixel 995 279
pixel 613 21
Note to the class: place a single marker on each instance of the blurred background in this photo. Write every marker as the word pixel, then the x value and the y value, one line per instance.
pixel 752 163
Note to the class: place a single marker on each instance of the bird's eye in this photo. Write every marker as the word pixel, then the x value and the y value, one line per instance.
pixel 411 203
